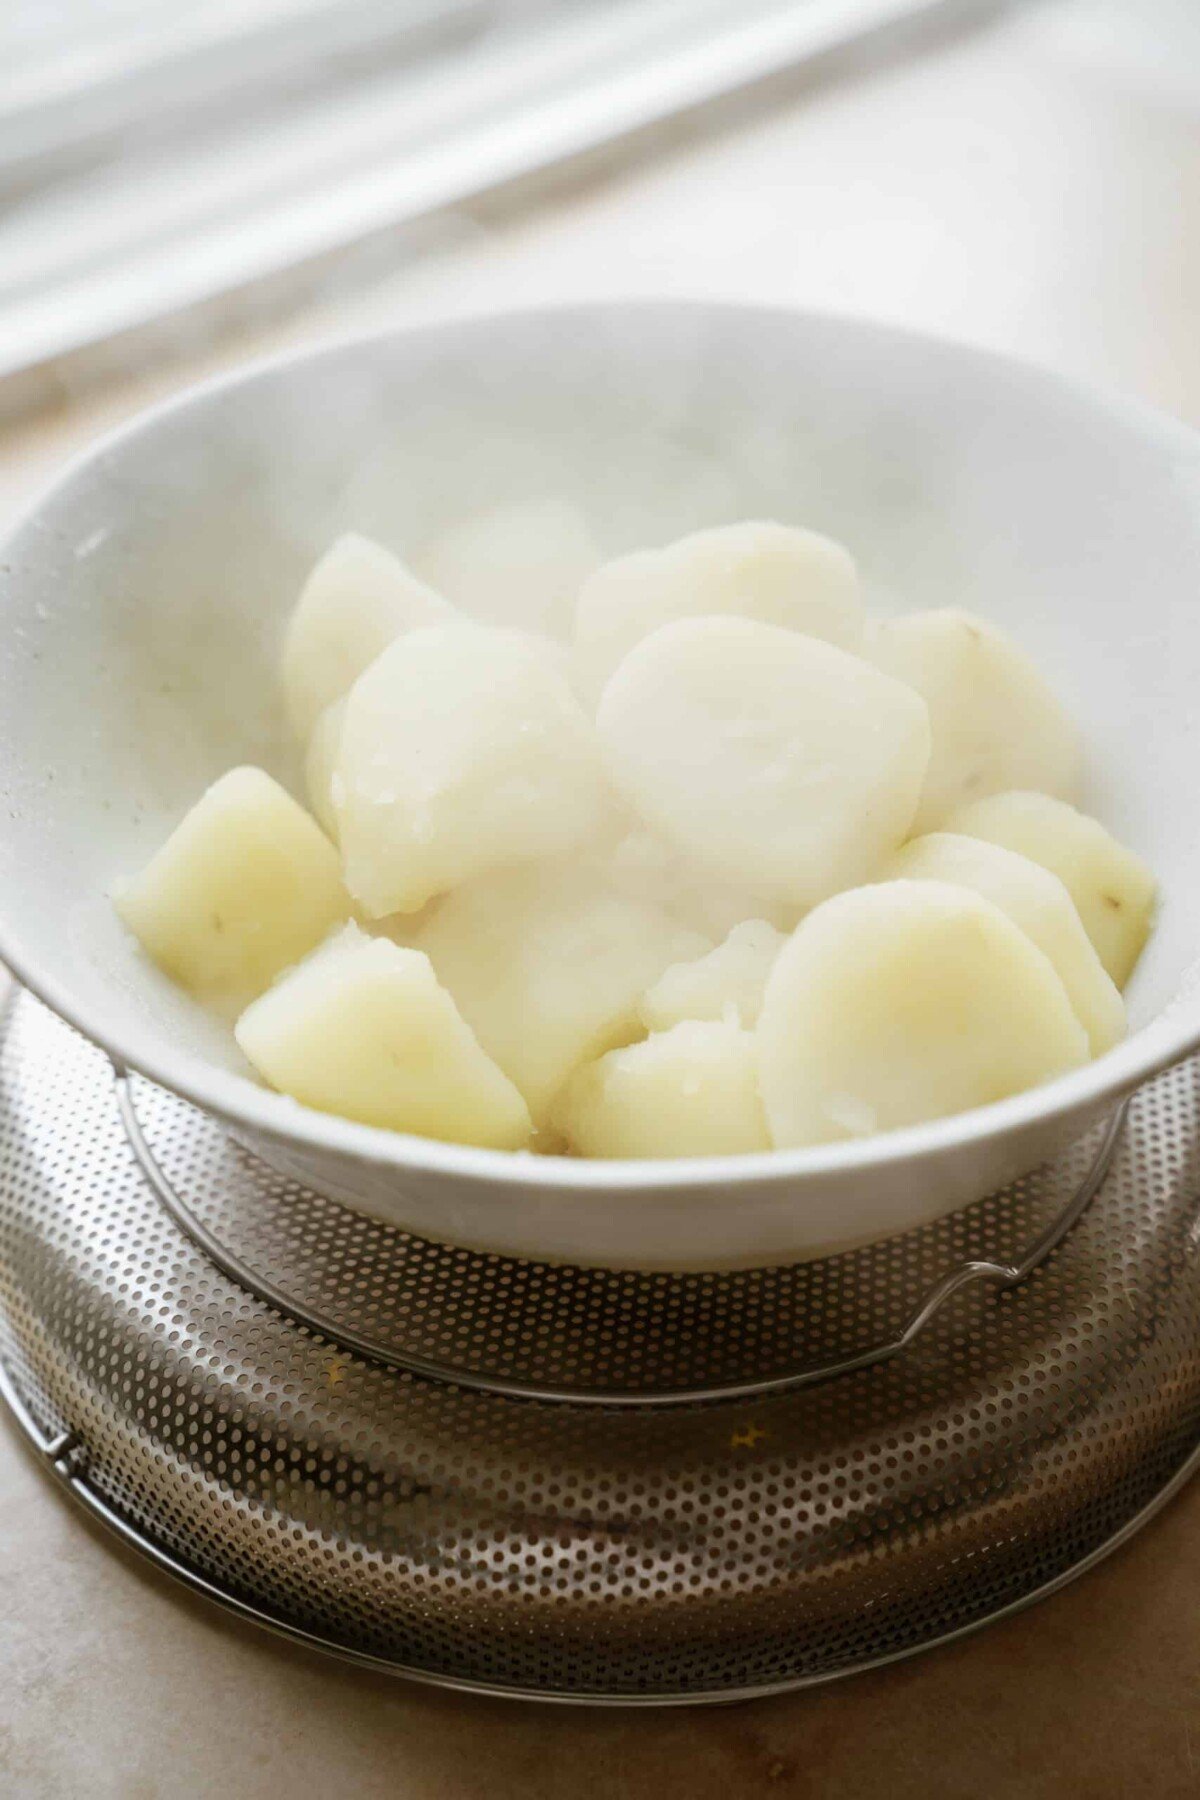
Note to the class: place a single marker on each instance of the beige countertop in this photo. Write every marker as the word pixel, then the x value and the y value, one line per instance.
pixel 1031 183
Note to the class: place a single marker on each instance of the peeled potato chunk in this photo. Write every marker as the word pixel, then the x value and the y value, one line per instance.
pixel 462 749
pixel 356 600
pixel 726 983
pixel 690 1091
pixel 772 759
pixel 319 764
pixel 645 866
pixel 547 968
pixel 1113 890
pixel 995 722
pixel 245 885
pixel 777 574
pixel 519 565
pixel 362 1029
pixel 1036 901
pixel 904 1002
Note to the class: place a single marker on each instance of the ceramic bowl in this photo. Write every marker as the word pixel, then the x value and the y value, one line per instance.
pixel 144 598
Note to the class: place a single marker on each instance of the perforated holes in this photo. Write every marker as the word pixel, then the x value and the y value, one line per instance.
pixel 700 1551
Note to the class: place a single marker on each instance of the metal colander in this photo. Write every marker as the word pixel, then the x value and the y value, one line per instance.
pixel 621 1550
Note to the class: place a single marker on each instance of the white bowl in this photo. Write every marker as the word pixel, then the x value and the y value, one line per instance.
pixel 145 594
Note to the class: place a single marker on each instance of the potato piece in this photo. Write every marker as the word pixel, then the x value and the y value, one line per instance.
pixel 777 574
pixel 1036 901
pixel 774 760
pixel 320 763
pixel 519 565
pixel 356 600
pixel 1113 890
pixel 462 749
pixel 362 1029
pixel 404 928
pixel 646 867
pixel 547 968
pixel 905 1002
pixel 727 983
pixel 995 722
pixel 245 885
pixel 691 1091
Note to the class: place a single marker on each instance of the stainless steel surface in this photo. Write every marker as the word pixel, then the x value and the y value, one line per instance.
pixel 591 1336
pixel 698 1553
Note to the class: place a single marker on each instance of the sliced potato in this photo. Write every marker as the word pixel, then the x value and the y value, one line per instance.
pixel 356 600
pixel 1036 901
pixel 245 885
pixel 778 574
pixel 1113 890
pixel 320 763
pixel 772 759
pixel 726 983
pixel 995 722
pixel 462 749
pixel 547 968
pixel 362 1029
pixel 404 928
pixel 519 565
pixel 644 865
pixel 690 1091
pixel 904 1002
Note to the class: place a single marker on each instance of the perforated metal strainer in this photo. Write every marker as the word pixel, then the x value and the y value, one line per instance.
pixel 618 1549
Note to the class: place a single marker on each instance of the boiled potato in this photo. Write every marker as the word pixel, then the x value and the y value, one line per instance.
pixel 1113 890
pixel 362 1029
pixel 356 600
pixel 777 574
pixel 644 865
pixel 726 983
pixel 319 764
pixel 245 885
pixel 995 722
pixel 690 1091
pixel 1036 901
pixel 462 748
pixel 805 877
pixel 404 928
pixel 774 760
pixel 519 565
pixel 547 968
pixel 904 1002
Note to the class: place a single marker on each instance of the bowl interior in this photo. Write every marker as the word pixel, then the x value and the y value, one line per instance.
pixel 145 598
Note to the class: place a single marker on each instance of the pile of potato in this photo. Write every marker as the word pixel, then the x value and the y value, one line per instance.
pixel 682 856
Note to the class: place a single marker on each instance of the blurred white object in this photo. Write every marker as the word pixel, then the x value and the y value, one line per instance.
pixel 133 238
pixel 76 69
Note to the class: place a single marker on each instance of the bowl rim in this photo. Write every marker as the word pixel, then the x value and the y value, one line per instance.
pixel 240 1102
